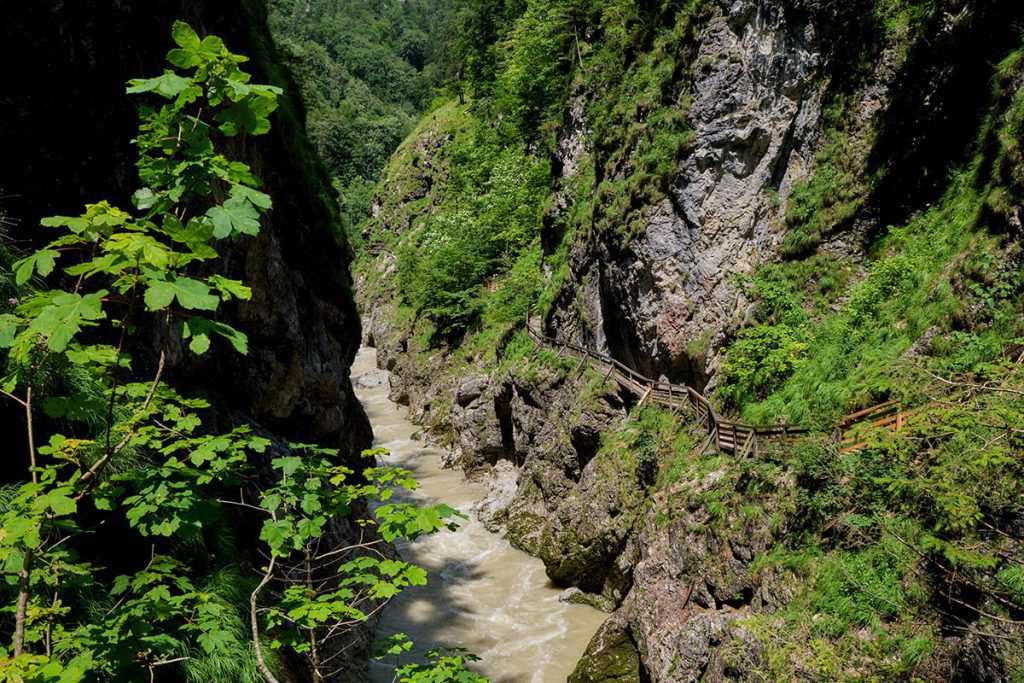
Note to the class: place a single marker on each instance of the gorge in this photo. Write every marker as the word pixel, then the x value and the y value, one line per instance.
pixel 798 209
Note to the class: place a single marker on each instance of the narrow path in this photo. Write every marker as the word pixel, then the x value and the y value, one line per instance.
pixel 481 593
pixel 730 436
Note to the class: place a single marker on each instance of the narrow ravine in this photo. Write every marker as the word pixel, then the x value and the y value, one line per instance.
pixel 482 594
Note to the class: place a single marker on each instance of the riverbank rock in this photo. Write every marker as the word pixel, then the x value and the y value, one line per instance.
pixel 372 380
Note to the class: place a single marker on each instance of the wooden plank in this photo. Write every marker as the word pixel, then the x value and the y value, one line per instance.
pixel 853 417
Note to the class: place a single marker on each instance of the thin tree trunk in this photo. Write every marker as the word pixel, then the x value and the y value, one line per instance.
pixel 24 584
pixel 261 663
pixel 25 575
pixel 314 653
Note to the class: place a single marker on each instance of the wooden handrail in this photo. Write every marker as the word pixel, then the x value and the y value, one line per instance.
pixel 730 435
pixel 854 417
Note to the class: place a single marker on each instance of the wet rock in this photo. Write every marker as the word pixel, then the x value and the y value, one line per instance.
pixel 474 417
pixel 471 389
pixel 612 657
pixel 575 596
pixel 372 380
pixel 502 483
pixel 584 539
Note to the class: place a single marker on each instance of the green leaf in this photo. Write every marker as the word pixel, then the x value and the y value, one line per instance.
pixel 236 215
pixel 143 248
pixel 58 502
pixel 41 261
pixel 200 344
pixel 384 590
pixel 169 85
pixel 65 315
pixel 230 288
pixel 311 504
pixel 215 640
pixel 75 224
pixel 191 294
pixel 288 465
pixel 184 35
pixel 260 200
pixel 197 327
pixel 276 534
pixel 416 576
pixel 249 115
pixel 8 329
pixel 193 51
pixel 145 198
pixel 311 528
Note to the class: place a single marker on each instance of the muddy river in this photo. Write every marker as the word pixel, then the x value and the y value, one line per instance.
pixel 482 594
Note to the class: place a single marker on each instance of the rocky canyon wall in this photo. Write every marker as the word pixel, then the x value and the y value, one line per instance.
pixel 788 105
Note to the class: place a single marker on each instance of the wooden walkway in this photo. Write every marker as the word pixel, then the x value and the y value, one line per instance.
pixel 727 436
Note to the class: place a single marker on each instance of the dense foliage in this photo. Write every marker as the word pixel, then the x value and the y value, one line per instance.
pixel 117 458
pixel 366 71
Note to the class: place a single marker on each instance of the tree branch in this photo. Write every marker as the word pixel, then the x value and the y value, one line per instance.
pixel 254 622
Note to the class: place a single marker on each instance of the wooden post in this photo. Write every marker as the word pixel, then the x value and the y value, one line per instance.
pixel 735 439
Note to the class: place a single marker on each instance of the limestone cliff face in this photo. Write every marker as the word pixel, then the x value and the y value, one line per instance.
pixel 66 140
pixel 754 114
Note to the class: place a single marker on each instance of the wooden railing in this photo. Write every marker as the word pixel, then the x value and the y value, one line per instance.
pixel 727 436
pixel 856 428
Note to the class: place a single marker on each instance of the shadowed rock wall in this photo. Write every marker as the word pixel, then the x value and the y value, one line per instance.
pixel 65 139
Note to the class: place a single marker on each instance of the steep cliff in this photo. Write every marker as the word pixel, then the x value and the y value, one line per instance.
pixel 67 141
pixel 800 208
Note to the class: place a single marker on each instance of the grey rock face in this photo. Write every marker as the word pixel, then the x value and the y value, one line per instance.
pixel 502 482
pixel 372 380
pixel 665 299
pixel 475 418
pixel 692 582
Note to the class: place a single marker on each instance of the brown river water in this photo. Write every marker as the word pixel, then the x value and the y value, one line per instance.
pixel 481 594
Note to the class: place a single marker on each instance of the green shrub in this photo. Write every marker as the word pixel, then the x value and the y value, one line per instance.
pixel 760 359
pixel 477 242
